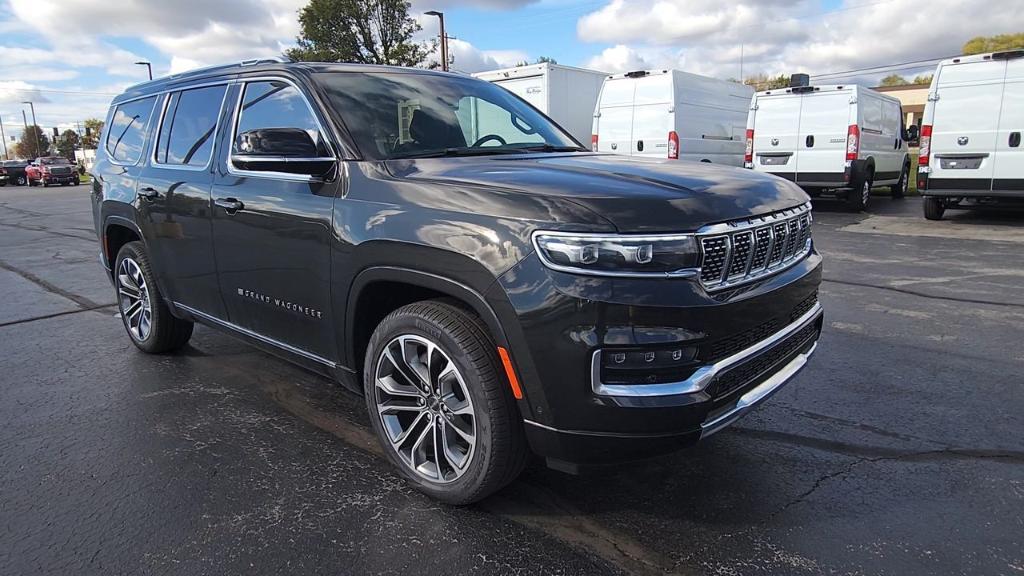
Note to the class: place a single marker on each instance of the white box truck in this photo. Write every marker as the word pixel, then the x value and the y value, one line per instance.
pixel 971 132
pixel 672 114
pixel 565 94
pixel 843 139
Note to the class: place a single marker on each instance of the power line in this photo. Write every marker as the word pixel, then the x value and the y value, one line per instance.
pixel 886 67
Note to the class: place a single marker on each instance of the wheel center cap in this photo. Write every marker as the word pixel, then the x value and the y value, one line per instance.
pixel 434 404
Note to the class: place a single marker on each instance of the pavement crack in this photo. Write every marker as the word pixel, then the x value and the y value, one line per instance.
pixel 82 301
pixel 923 294
pixel 45 230
pixel 56 315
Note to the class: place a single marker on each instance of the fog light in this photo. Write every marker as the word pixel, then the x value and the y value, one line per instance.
pixel 647 366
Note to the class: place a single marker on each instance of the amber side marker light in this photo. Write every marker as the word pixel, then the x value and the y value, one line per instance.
pixel 513 381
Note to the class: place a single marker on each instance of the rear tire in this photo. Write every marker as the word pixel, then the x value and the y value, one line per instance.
pixel 20 181
pixel 436 367
pixel 933 208
pixel 899 189
pixel 860 194
pixel 145 315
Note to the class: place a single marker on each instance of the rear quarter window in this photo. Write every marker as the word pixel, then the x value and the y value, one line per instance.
pixel 126 136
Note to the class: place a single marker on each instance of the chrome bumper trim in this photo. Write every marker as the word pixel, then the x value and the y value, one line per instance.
pixel 704 375
pixel 748 401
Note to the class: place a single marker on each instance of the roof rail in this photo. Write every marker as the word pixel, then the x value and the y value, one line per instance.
pixel 193 71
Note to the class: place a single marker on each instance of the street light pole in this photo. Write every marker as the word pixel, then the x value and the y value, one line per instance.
pixel 3 137
pixel 444 39
pixel 149 68
pixel 35 126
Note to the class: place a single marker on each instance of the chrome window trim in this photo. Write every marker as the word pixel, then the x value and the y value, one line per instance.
pixel 609 236
pixel 258 158
pixel 704 375
pixel 145 141
pixel 256 335
pixel 242 83
pixel 160 125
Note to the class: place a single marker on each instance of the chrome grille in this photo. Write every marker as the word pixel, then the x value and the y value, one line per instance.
pixel 738 252
pixel 60 170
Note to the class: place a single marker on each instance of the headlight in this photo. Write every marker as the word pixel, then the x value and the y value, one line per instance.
pixel 618 254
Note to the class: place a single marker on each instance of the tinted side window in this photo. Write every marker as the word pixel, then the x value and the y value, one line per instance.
pixel 186 133
pixel 127 133
pixel 275 104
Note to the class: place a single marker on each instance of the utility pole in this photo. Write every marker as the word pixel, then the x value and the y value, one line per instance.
pixel 35 126
pixel 444 39
pixel 3 137
pixel 25 120
pixel 741 63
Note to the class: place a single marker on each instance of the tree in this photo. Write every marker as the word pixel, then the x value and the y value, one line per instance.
pixel 27 146
pixel 998 43
pixel 923 79
pixel 360 31
pixel 764 82
pixel 67 144
pixel 540 60
pixel 894 80
pixel 93 127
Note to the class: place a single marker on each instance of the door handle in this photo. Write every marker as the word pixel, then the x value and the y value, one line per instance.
pixel 640 145
pixel 148 193
pixel 230 205
pixel 1014 139
pixel 810 141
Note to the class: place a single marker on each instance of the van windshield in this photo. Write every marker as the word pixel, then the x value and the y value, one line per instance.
pixel 409 115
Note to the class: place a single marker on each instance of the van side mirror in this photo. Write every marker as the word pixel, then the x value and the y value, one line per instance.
pixel 912 133
pixel 286 150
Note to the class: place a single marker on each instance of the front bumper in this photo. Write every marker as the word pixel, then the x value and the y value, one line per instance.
pixel 59 179
pixel 567 321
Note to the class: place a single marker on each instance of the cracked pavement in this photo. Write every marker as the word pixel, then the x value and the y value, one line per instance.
pixel 899 450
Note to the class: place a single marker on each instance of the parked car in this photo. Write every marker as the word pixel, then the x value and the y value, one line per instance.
pixel 50 170
pixel 14 170
pixel 489 295
pixel 843 139
pixel 971 133
pixel 566 94
pixel 672 114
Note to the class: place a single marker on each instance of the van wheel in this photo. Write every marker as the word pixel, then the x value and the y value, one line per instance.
pixel 439 405
pixel 899 189
pixel 145 315
pixel 860 194
pixel 934 208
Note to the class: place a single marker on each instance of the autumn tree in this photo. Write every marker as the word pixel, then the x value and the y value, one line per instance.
pixel 764 82
pixel 33 143
pixel 360 31
pixel 93 127
pixel 894 80
pixel 998 43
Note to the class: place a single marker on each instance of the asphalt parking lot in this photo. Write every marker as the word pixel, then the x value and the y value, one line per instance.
pixel 899 450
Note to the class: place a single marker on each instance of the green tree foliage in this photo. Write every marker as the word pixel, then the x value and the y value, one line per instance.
pixel 360 31
pixel 27 146
pixel 765 82
pixel 93 127
pixel 894 80
pixel 983 44
pixel 67 144
pixel 541 60
pixel 923 79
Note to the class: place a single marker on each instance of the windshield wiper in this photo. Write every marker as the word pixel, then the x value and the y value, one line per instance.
pixel 467 151
pixel 545 147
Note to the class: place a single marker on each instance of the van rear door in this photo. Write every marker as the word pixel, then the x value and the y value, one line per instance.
pixel 652 121
pixel 615 116
pixel 821 144
pixel 776 133
pixel 1008 169
pixel 965 124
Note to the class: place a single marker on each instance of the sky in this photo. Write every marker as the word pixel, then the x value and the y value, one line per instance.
pixel 70 57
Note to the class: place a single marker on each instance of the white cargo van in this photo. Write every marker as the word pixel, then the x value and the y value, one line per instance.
pixel 566 94
pixel 844 139
pixel 672 114
pixel 971 132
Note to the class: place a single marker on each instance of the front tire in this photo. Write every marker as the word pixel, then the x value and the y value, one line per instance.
pixel 146 317
pixel 441 409
pixel 934 208
pixel 899 189
pixel 20 181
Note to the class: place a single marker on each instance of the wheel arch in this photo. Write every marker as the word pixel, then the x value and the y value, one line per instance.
pixel 118 231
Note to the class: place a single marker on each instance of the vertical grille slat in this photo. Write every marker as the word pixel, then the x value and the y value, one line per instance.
pixel 755 248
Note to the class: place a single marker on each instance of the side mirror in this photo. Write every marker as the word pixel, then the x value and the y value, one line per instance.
pixel 913 133
pixel 286 150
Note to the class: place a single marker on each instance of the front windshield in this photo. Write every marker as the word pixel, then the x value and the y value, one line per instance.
pixel 48 161
pixel 408 115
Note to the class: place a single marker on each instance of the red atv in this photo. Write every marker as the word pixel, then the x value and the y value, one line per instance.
pixel 52 170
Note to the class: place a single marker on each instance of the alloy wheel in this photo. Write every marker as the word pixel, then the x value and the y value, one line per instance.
pixel 425 408
pixel 865 193
pixel 133 299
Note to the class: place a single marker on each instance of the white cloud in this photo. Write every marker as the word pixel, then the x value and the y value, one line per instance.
pixel 786 36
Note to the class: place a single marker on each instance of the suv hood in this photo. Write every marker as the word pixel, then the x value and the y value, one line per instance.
pixel 635 195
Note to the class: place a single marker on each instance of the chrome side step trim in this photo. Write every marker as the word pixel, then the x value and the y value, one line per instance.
pixel 256 336
pixel 748 401
pixel 705 374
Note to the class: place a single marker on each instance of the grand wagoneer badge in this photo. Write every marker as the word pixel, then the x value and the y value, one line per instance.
pixel 290 306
